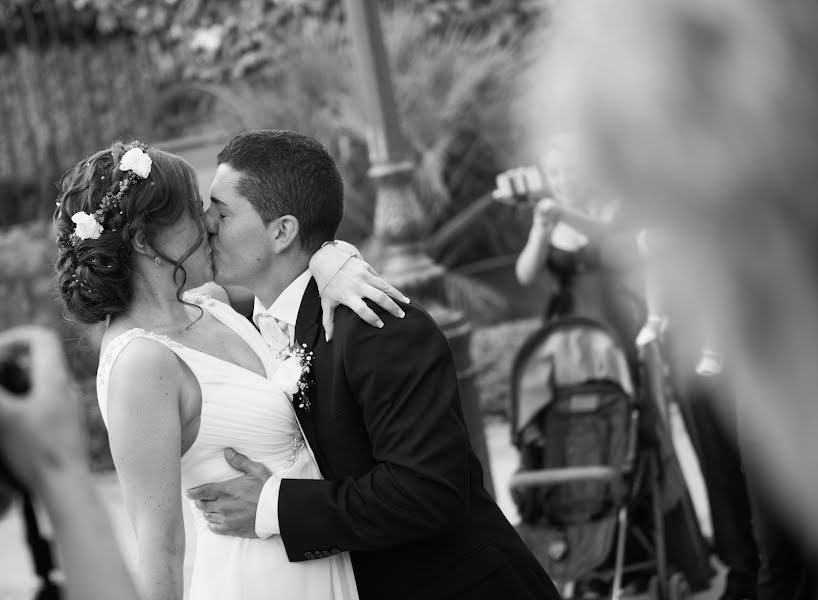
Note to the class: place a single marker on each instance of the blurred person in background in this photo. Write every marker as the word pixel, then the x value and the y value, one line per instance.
pixel 577 232
pixel 43 448
pixel 708 408
pixel 576 237
pixel 703 115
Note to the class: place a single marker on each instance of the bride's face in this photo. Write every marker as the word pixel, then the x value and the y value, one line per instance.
pixel 178 240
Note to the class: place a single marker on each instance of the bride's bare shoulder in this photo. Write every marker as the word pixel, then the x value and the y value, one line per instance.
pixel 145 357
pixel 145 371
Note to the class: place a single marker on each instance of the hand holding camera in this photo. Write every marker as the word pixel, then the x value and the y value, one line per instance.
pixel 520 185
pixel 547 213
pixel 525 185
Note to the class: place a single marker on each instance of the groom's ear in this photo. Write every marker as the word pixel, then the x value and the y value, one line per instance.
pixel 283 233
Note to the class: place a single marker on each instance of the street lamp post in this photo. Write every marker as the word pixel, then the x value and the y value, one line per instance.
pixel 399 220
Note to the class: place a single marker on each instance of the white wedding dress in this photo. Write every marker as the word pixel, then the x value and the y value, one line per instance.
pixel 250 413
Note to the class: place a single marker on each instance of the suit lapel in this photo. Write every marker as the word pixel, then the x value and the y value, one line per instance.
pixel 307 325
pixel 307 329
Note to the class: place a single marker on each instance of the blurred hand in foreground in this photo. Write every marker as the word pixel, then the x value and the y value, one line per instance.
pixel 42 443
pixel 40 430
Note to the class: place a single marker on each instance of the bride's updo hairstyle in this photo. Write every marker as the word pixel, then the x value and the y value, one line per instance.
pixel 93 276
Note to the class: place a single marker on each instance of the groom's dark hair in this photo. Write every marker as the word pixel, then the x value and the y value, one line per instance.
pixel 286 173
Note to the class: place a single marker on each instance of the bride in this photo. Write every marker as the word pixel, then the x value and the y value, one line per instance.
pixel 181 376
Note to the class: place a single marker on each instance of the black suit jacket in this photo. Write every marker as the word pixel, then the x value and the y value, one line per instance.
pixel 403 490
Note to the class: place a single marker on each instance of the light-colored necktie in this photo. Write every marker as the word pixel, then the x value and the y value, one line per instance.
pixel 273 331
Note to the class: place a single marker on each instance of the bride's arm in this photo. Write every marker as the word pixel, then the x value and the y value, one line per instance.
pixel 145 436
pixel 343 277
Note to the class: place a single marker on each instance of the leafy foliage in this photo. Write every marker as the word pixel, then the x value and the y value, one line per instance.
pixel 454 93
pixel 224 40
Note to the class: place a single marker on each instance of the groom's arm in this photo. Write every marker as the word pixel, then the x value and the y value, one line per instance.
pixel 404 379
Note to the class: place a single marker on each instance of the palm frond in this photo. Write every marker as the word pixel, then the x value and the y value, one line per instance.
pixel 454 91
pixel 480 302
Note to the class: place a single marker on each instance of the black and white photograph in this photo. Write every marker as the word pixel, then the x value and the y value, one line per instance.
pixel 408 300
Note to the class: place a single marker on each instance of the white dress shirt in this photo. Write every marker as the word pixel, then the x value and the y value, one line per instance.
pixel 285 311
pixel 285 308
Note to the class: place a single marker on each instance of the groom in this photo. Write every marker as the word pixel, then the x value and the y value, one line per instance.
pixel 403 490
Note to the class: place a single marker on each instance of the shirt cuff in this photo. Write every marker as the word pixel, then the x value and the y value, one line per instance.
pixel 327 261
pixel 267 509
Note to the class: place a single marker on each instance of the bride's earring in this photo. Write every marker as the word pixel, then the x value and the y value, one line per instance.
pixel 157 261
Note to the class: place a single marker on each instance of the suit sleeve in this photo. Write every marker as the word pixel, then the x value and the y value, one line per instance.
pixel 404 379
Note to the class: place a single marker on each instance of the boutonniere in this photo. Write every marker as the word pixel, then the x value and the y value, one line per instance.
pixel 293 374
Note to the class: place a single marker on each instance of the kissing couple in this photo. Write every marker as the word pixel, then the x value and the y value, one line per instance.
pixel 323 456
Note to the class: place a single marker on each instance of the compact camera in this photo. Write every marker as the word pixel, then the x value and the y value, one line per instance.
pixel 521 185
pixel 14 370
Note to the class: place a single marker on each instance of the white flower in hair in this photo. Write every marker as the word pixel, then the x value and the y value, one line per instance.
pixel 87 226
pixel 137 161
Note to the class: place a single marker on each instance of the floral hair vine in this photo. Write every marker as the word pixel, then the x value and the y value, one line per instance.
pixel 137 164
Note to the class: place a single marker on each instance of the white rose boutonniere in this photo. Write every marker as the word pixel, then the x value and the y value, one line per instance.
pixel 87 226
pixel 293 371
pixel 288 375
pixel 137 161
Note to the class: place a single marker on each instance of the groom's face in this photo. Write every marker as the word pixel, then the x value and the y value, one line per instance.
pixel 238 236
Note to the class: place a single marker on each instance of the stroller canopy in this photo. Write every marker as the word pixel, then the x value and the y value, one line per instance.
pixel 572 351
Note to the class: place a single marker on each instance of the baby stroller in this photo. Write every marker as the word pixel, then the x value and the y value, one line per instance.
pixel 600 492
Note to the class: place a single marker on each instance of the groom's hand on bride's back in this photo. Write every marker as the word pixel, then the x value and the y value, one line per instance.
pixel 230 506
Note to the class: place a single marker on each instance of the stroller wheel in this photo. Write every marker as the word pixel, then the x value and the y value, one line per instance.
pixel 678 588
pixel 654 593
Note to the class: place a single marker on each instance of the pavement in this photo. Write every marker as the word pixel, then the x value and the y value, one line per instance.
pixel 17 579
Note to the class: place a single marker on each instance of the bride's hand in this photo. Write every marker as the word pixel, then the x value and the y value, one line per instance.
pixel 349 285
